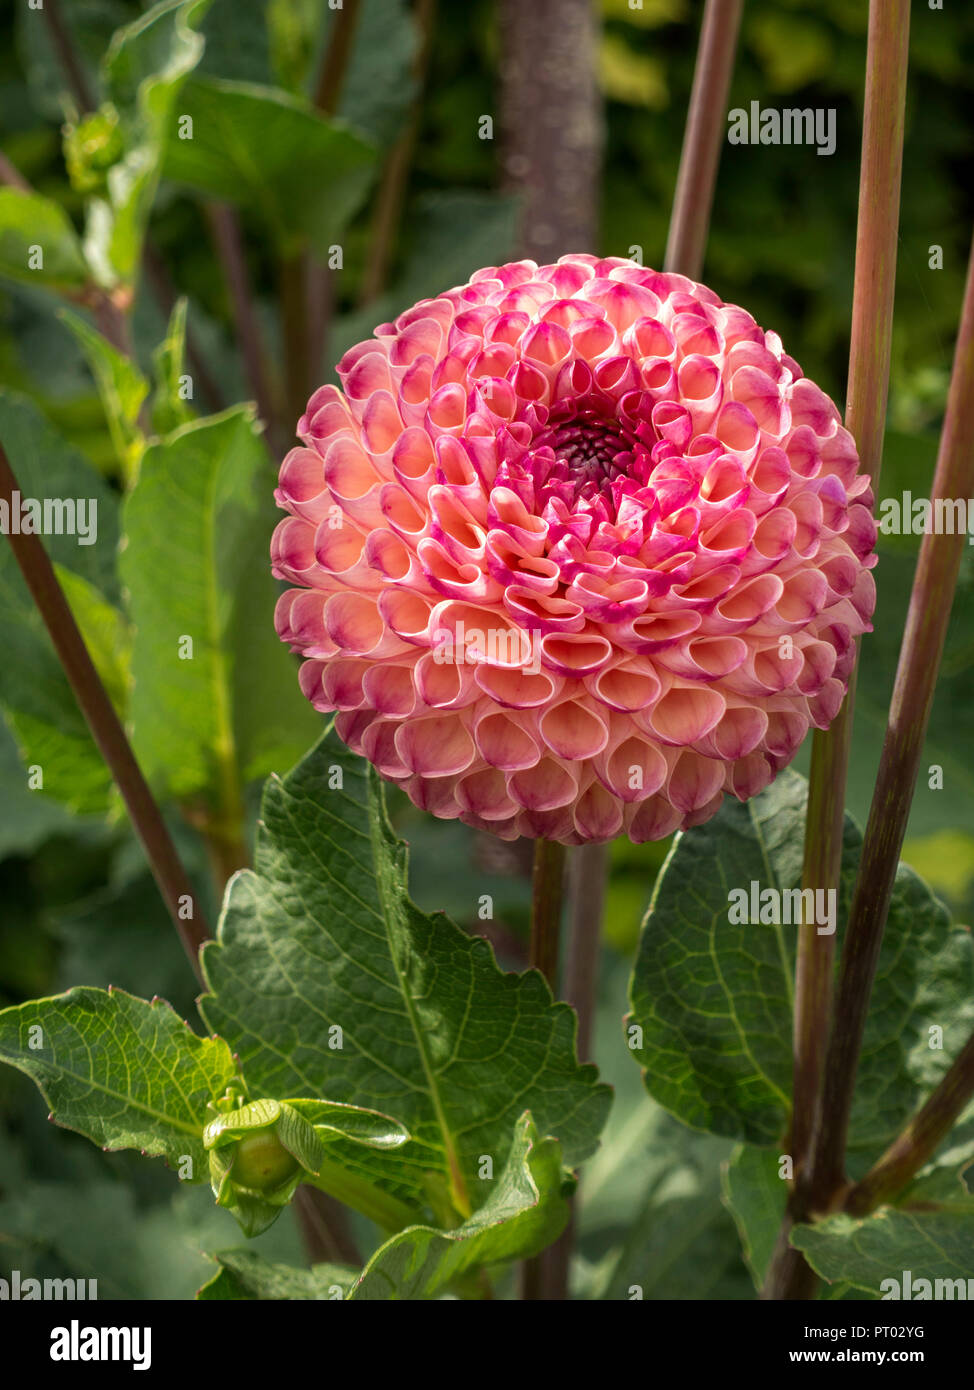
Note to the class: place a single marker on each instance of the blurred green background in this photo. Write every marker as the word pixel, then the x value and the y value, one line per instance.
pixel 77 903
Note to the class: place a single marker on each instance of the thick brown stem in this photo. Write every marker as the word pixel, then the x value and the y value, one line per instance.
pixel 551 122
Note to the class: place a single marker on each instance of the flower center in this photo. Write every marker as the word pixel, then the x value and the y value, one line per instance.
pixel 586 451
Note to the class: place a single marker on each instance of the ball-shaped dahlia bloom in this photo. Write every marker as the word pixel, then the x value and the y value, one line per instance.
pixel 576 550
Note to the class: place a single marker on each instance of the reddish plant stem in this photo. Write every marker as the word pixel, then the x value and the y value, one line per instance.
pixel 331 75
pixel 588 872
pixel 165 295
pixel 868 385
pixel 702 140
pixel 325 1227
pixel 177 892
pixel 913 691
pixel 328 90
pixel 395 176
pixel 296 329
pixel 919 1140
pixel 546 1275
pixel 68 57
pixel 228 241
pixel 547 895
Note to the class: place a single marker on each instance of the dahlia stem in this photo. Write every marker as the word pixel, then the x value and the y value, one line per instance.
pixel 68 57
pixel 547 895
pixel 327 97
pixel 551 122
pixel 297 336
pixel 588 871
pixel 395 176
pixel 165 294
pixel 920 1138
pixel 703 138
pixel 167 870
pixel 913 691
pixel 325 1227
pixel 868 384
pixel 331 75
pixel 546 1275
pixel 228 241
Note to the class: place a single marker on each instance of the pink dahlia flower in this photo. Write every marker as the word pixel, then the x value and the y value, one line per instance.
pixel 576 551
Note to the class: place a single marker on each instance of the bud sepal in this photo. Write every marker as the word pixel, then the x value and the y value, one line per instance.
pixel 259 1152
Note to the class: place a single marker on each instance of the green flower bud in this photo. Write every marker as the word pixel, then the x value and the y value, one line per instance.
pixel 259 1152
pixel 91 148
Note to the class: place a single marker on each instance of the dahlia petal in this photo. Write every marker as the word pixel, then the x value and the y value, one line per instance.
pixel 435 747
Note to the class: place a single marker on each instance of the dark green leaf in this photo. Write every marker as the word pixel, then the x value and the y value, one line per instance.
pixel 714 998
pixel 243 1275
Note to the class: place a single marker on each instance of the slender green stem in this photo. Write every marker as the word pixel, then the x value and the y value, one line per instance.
pixel 868 384
pixel 177 892
pixel 703 137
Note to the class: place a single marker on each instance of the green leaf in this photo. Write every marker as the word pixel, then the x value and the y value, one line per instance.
pixel 714 999
pixel 169 407
pixel 244 1275
pixel 107 634
pixel 755 1196
pixel 874 1253
pixel 256 147
pixel 197 526
pixel 143 72
pixel 122 389
pixel 126 1073
pixel 38 245
pixel 380 85
pixel 525 1211
pixel 237 42
pixel 38 701
pixel 376 1004
pixel 27 819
